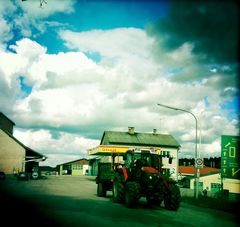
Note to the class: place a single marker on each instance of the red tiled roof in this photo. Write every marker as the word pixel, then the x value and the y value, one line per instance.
pixel 191 170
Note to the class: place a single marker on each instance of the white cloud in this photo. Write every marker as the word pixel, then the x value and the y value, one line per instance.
pixel 128 50
pixel 119 42
pixel 29 49
pixel 65 147
pixel 25 16
pixel 77 97
pixel 7 8
pixel 11 65
pixel 5 29
pixel 73 94
pixel 32 8
pixel 14 65
pixel 34 16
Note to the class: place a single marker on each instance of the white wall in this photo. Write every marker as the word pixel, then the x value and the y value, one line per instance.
pixel 85 167
pixel 173 167
pixel 233 185
pixel 207 180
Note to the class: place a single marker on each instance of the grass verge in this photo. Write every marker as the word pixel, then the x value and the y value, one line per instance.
pixel 220 203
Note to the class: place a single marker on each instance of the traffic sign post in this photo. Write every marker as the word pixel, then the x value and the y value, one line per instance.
pixel 198 166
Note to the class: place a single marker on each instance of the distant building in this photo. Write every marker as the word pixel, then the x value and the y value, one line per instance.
pixel 77 167
pixel 15 156
pixel 209 179
pixel 114 142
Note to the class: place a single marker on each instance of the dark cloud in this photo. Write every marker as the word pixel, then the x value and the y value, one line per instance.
pixel 227 84
pixel 211 26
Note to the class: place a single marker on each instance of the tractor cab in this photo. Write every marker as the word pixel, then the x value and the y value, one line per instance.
pixel 140 158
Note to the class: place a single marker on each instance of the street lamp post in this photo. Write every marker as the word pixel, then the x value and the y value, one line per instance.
pixel 196 170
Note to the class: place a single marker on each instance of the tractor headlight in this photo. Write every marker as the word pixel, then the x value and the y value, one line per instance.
pixel 150 177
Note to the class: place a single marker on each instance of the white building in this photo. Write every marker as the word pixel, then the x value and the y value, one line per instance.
pixel 117 143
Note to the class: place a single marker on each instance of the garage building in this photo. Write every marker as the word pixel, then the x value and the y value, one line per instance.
pixel 77 167
pixel 15 157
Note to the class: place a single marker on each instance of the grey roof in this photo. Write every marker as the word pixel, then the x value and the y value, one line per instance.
pixel 2 114
pixel 138 139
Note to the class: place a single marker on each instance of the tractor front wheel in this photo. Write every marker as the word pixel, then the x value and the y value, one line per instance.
pixel 172 198
pixel 132 194
pixel 118 191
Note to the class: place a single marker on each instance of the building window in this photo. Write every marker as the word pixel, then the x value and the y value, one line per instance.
pixel 77 167
pixel 166 154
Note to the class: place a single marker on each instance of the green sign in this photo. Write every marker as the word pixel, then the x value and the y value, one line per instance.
pixel 230 157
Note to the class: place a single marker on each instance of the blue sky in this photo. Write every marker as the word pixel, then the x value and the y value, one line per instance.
pixel 73 69
pixel 105 15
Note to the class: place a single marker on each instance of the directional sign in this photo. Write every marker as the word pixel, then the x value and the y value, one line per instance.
pixel 230 157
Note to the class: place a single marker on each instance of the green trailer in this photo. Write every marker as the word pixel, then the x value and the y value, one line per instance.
pixel 104 178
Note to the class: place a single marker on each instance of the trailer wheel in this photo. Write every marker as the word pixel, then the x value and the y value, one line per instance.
pixel 132 194
pixel 172 198
pixel 118 191
pixel 34 175
pixel 101 190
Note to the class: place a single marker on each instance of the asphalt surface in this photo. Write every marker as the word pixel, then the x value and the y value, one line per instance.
pixel 72 201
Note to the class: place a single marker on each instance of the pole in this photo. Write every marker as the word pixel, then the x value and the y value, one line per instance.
pixel 196 171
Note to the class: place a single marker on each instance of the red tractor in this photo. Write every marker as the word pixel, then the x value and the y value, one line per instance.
pixel 142 176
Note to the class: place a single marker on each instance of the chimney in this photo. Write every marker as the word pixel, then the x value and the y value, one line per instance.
pixel 131 130
pixel 154 131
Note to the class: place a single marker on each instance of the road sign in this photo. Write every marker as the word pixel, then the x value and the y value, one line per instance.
pixel 230 157
pixel 199 163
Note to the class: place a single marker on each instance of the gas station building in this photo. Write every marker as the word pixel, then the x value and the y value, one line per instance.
pixel 117 143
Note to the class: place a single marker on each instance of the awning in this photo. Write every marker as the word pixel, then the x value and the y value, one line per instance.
pixel 33 156
pixel 108 150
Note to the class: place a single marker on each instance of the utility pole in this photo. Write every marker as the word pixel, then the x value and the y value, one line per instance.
pixel 196 170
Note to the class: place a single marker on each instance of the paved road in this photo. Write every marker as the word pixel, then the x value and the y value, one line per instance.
pixel 72 201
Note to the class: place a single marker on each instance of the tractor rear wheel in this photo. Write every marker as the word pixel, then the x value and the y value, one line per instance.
pixel 132 194
pixel 172 198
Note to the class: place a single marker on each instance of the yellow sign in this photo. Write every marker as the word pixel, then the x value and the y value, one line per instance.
pixel 109 150
pixel 112 149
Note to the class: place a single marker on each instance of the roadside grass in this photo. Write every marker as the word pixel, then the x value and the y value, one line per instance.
pixel 219 203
